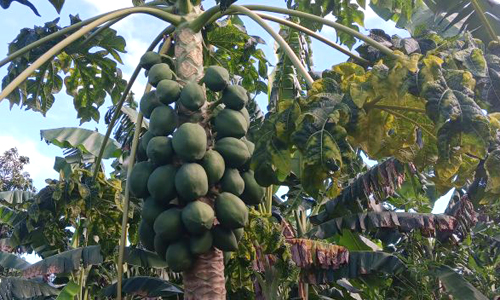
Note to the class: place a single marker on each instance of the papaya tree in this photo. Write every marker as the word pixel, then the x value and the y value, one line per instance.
pixel 209 164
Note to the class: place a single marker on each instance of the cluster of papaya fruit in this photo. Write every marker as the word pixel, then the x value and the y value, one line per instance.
pixel 195 186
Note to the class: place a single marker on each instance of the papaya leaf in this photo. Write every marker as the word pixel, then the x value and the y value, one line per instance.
pixel 11 261
pixel 12 288
pixel 69 291
pixel 456 285
pixel 65 262
pixel 16 197
pixel 143 286
pixel 58 4
pixel 428 224
pixel 88 70
pixel 86 140
pixel 6 4
pixel 492 166
pixel 144 258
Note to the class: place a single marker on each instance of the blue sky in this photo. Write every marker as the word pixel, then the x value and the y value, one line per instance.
pixel 21 128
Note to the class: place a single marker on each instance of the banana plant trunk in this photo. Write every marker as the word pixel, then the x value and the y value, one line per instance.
pixel 205 280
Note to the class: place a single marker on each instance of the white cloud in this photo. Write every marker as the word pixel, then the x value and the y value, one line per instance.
pixel 40 166
pixel 101 6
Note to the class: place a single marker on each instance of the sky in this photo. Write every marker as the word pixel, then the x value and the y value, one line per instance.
pixel 21 128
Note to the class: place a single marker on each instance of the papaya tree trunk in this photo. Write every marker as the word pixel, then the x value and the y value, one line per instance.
pixel 205 280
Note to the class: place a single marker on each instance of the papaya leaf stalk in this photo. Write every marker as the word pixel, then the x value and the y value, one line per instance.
pixel 286 48
pixel 173 19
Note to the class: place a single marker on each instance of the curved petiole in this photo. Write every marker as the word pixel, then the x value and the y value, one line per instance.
pixel 173 19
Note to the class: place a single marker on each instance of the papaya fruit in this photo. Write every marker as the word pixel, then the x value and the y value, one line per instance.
pixel 146 137
pixel 179 258
pixel 148 103
pixel 160 150
pixel 190 141
pixel 250 146
pixel 159 72
pixel 141 154
pixel 149 59
pixel 232 182
pixel 191 181
pixel 246 115
pixel 151 209
pixel 161 184
pixel 214 166
pixel 199 244
pixel 253 192
pixel 230 123
pixel 168 224
pixel 198 217
pixel 163 121
pixel 224 239
pixel 147 236
pixel 139 179
pixel 160 246
pixel 233 150
pixel 238 233
pixel 192 96
pixel 231 212
pixel 234 97
pixel 168 91
pixel 216 78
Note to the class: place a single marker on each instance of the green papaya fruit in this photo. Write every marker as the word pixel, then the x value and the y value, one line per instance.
pixel 246 115
pixel 198 217
pixel 238 233
pixel 179 258
pixel 161 184
pixel 250 146
pixel 191 181
pixel 230 123
pixel 168 224
pixel 163 121
pixel 147 235
pixel 232 182
pixel 168 91
pixel 253 192
pixel 190 141
pixel 234 151
pixel 216 78
pixel 151 209
pixel 158 73
pixel 141 154
pixel 148 103
pixel 149 59
pixel 139 179
pixel 160 150
pixel 214 166
pixel 161 246
pixel 199 244
pixel 231 212
pixel 192 96
pixel 235 97
pixel 224 239
pixel 146 137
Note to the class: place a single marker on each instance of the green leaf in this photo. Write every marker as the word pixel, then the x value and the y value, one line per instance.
pixel 144 258
pixel 16 197
pixel 457 286
pixel 492 166
pixel 86 140
pixel 65 262
pixel 69 291
pixel 144 287
pixel 11 261
pixel 17 288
